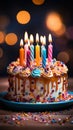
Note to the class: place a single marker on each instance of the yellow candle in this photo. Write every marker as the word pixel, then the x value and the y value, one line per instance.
pixel 37 49
pixel 21 51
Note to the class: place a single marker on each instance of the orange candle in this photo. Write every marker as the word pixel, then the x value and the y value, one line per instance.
pixel 37 51
pixel 21 51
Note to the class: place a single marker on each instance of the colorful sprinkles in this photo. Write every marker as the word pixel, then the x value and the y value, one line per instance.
pixel 46 118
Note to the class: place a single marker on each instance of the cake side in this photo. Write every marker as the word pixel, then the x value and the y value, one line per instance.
pixel 38 89
pixel 37 84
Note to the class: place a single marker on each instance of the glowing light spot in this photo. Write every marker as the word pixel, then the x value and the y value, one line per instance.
pixel 23 17
pixel 38 2
pixel 1 52
pixel 11 39
pixel 4 21
pixel 63 56
pixel 54 23
pixel 61 31
pixel 2 37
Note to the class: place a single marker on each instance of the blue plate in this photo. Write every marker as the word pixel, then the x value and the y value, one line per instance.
pixel 32 107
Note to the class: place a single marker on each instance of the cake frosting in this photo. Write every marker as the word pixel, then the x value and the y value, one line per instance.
pixel 37 84
pixel 54 68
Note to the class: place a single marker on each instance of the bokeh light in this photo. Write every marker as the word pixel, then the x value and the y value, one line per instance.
pixel 54 23
pixel 63 56
pixel 4 21
pixel 11 39
pixel 60 31
pixel 1 52
pixel 2 37
pixel 23 17
pixel 38 2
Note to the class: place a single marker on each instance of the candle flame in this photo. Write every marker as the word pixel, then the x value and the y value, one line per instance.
pixel 31 38
pixel 50 38
pixel 44 40
pixel 21 42
pixel 41 39
pixel 26 37
pixel 37 37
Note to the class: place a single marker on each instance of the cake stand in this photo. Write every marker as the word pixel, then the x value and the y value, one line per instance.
pixel 35 107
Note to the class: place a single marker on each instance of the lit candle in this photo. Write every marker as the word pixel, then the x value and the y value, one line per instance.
pixel 26 37
pixel 26 45
pixel 50 49
pixel 43 51
pixel 37 51
pixel 28 55
pixel 31 47
pixel 41 40
pixel 21 52
pixel 37 38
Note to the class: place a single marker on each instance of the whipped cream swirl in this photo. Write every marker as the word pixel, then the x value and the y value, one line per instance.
pixel 36 73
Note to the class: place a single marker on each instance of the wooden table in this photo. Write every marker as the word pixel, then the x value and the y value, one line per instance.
pixel 9 119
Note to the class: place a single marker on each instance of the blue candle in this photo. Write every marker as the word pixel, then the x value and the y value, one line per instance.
pixel 32 52
pixel 43 56
pixel 31 47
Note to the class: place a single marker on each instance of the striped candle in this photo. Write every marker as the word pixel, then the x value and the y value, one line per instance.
pixel 43 56
pixel 28 55
pixel 43 51
pixel 50 49
pixel 31 47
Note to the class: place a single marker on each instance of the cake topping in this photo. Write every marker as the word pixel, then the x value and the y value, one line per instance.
pixel 36 73
pixel 52 68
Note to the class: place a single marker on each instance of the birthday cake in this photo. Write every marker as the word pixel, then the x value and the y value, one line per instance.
pixel 39 80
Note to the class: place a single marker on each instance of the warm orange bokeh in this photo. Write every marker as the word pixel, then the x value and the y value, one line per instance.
pixel 54 23
pixel 63 56
pixel 2 37
pixel 11 39
pixel 23 17
pixel 38 2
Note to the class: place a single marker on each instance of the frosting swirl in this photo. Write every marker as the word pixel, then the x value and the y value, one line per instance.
pixel 36 73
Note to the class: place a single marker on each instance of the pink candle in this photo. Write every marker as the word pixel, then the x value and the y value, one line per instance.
pixel 28 56
pixel 50 49
pixel 26 49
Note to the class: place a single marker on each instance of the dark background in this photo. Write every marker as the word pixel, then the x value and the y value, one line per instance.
pixel 10 8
